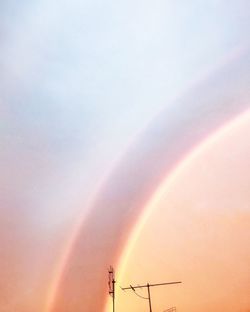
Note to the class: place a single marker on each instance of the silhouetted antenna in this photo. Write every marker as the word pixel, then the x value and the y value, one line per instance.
pixel 133 288
pixel 111 284
pixel 173 309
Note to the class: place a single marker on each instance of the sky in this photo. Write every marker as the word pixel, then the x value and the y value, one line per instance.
pixel 196 230
pixel 99 103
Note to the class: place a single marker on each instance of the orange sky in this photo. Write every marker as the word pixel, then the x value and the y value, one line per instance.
pixel 198 232
pixel 115 210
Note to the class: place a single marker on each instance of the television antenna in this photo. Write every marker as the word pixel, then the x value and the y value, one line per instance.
pixel 111 283
pixel 133 288
pixel 173 309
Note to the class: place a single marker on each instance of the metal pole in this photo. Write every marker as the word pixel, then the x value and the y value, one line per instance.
pixel 149 298
pixel 113 282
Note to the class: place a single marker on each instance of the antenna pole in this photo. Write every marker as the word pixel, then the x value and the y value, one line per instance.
pixel 149 298
pixel 111 284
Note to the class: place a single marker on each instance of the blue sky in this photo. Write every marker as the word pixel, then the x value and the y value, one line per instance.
pixel 80 79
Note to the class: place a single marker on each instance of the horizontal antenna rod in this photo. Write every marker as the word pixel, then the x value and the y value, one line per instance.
pixel 149 285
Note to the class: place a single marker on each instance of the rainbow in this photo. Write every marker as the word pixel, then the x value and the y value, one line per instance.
pixel 100 239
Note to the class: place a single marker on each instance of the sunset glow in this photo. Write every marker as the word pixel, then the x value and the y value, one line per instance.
pixel 196 229
pixel 124 142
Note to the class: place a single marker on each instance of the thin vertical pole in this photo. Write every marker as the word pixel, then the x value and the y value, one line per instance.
pixel 113 282
pixel 149 298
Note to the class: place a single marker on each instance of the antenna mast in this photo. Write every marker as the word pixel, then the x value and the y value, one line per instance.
pixel 111 284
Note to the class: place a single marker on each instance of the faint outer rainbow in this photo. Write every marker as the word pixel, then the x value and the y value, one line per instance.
pixel 120 201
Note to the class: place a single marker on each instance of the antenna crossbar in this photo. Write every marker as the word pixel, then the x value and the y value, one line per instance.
pixel 149 285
